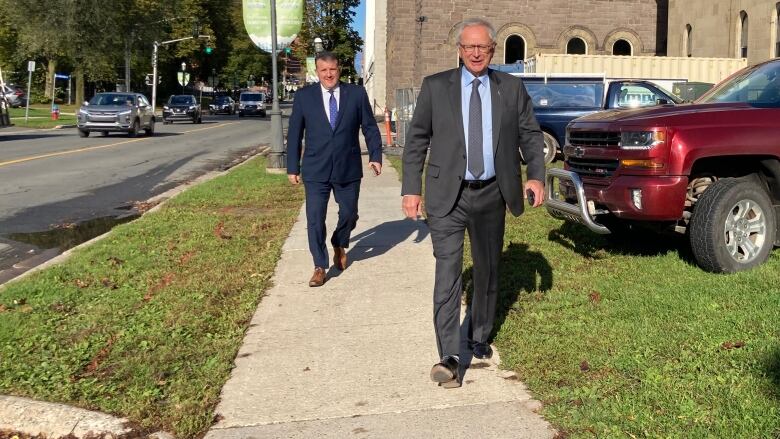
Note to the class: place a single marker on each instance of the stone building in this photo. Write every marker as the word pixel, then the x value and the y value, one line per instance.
pixel 407 40
pixel 724 29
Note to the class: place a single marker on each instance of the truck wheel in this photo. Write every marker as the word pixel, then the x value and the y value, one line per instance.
pixel 83 133
pixel 150 131
pixel 550 147
pixel 134 129
pixel 733 226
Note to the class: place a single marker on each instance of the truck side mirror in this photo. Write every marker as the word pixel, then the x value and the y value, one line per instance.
pixel 661 101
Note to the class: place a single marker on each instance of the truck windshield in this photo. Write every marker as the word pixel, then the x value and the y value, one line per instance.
pixel 757 86
pixel 112 99
pixel 566 94
pixel 252 97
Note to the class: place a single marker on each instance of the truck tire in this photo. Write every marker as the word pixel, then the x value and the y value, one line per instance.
pixel 134 129
pixel 550 147
pixel 733 226
pixel 150 130
pixel 83 133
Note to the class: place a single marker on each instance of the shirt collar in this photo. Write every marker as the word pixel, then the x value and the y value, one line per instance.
pixel 466 78
pixel 325 90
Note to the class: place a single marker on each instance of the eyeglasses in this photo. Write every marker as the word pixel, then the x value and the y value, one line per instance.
pixel 482 48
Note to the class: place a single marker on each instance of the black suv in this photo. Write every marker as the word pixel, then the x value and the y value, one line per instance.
pixel 181 107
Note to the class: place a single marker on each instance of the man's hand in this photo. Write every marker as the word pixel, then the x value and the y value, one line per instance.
pixel 376 167
pixel 411 205
pixel 537 187
pixel 294 178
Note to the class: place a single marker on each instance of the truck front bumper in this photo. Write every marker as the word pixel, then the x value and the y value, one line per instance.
pixel 660 198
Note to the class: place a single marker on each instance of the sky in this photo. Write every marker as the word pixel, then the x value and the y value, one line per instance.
pixel 360 26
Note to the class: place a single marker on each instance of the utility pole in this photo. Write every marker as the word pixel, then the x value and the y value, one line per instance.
pixel 276 161
pixel 154 63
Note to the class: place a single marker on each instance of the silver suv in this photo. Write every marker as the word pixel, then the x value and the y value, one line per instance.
pixel 121 112
pixel 251 103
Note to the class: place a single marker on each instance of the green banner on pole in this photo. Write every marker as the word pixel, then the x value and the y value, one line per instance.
pixel 257 20
pixel 311 70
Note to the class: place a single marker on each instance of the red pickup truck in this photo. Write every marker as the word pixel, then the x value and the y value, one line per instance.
pixel 710 170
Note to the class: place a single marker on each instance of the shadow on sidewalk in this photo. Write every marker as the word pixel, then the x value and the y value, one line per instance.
pixel 378 240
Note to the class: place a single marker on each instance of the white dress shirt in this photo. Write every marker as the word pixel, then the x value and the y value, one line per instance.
pixel 326 98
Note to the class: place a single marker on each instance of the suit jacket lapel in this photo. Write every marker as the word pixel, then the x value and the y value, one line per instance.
pixel 341 104
pixel 318 94
pixel 496 107
pixel 455 104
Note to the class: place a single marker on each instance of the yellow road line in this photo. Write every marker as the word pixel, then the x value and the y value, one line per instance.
pixel 92 148
pixel 208 128
pixel 71 151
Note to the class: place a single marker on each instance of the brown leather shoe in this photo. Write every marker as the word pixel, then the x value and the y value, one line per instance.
pixel 340 258
pixel 318 278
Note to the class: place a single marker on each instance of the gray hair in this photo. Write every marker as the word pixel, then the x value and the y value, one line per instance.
pixel 475 22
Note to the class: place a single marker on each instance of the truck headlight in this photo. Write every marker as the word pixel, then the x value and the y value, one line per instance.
pixel 641 139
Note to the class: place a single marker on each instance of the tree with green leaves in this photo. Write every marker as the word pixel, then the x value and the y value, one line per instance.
pixel 332 22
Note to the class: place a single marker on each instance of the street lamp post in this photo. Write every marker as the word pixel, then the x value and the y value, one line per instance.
pixel 317 45
pixel 183 75
pixel 276 159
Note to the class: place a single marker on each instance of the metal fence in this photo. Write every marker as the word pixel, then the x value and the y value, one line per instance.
pixel 405 99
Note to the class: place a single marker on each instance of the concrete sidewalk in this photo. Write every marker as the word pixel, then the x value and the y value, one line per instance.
pixel 352 358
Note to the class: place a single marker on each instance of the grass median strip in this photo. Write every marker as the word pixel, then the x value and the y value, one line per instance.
pixel 632 339
pixel 146 323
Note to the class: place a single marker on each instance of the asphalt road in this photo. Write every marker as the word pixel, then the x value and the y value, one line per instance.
pixel 53 180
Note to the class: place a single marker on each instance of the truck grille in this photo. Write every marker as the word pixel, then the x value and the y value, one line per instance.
pixel 595 138
pixel 599 168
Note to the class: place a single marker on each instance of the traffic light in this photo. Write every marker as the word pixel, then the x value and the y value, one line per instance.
pixel 208 50
pixel 287 50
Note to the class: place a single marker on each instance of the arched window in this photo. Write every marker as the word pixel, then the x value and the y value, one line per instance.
pixel 777 29
pixel 514 49
pixel 622 47
pixel 576 46
pixel 688 41
pixel 743 35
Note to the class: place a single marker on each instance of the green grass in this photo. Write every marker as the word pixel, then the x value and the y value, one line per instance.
pixel 40 116
pixel 147 322
pixel 633 339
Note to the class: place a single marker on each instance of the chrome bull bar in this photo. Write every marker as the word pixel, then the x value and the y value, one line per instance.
pixel 567 211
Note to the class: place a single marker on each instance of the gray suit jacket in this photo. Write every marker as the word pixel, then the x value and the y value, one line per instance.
pixel 437 125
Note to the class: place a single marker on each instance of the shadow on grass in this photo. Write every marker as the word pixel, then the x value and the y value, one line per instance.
pixel 773 372
pixel 639 242
pixel 521 272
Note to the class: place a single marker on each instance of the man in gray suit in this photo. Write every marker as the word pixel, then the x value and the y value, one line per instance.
pixel 472 119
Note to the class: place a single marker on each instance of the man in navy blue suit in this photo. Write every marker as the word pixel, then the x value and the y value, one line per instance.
pixel 330 115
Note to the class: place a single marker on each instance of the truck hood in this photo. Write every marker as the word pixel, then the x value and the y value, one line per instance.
pixel 660 115
pixel 107 108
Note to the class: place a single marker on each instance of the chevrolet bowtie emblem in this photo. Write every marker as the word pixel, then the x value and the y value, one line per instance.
pixel 579 151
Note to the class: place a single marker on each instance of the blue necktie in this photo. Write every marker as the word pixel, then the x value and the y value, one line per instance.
pixel 334 109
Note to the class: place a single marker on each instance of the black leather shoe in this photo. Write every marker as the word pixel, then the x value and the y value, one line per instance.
pixel 483 351
pixel 446 373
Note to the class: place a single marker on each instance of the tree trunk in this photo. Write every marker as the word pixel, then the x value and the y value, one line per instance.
pixel 79 73
pixel 52 69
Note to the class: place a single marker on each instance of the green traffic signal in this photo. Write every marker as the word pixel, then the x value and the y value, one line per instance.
pixel 209 50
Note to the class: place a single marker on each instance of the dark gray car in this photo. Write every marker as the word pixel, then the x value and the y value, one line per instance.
pixel 122 112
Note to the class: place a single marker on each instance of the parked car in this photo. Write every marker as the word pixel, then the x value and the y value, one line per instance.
pixel 15 95
pixel 709 170
pixel 181 107
pixel 559 99
pixel 251 103
pixel 223 104
pixel 122 112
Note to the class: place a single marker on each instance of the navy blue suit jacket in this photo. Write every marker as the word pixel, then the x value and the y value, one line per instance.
pixel 331 155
